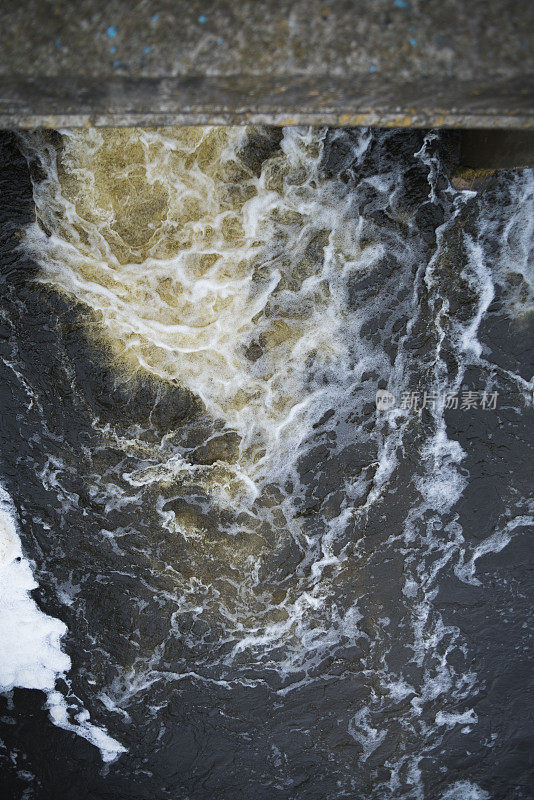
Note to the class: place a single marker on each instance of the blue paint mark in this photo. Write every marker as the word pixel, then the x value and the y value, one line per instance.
pixel 372 69
pixel 202 19
pixel 412 41
pixel 400 3
pixel 116 63
pixel 111 32
pixel 113 49
pixel 58 44
pixel 219 40
pixel 147 49
pixel 155 18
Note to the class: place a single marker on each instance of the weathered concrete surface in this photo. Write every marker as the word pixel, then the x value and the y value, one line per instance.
pixel 383 62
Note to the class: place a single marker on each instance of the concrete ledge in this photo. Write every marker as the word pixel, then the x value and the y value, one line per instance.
pixel 422 63
pixel 203 100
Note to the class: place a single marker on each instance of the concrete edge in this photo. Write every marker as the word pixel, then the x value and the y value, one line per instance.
pixel 57 102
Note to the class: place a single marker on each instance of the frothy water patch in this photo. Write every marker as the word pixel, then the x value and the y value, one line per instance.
pixel 30 641
pixel 228 279
pixel 465 790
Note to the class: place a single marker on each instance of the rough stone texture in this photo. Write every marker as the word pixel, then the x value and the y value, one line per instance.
pixel 384 62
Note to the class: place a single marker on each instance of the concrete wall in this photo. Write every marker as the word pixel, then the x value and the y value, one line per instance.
pixel 452 63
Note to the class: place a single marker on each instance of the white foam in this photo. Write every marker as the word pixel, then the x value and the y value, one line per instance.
pixel 450 719
pixel 510 223
pixel 442 484
pixel 363 732
pixel 30 640
pixel 465 790
pixel 498 540
pixel 58 708
pixel 480 280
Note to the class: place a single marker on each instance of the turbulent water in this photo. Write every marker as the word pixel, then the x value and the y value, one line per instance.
pixel 257 578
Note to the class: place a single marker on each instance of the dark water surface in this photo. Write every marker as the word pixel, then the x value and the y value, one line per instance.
pixel 272 589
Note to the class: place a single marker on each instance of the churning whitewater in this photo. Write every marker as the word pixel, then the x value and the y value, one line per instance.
pixel 276 551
